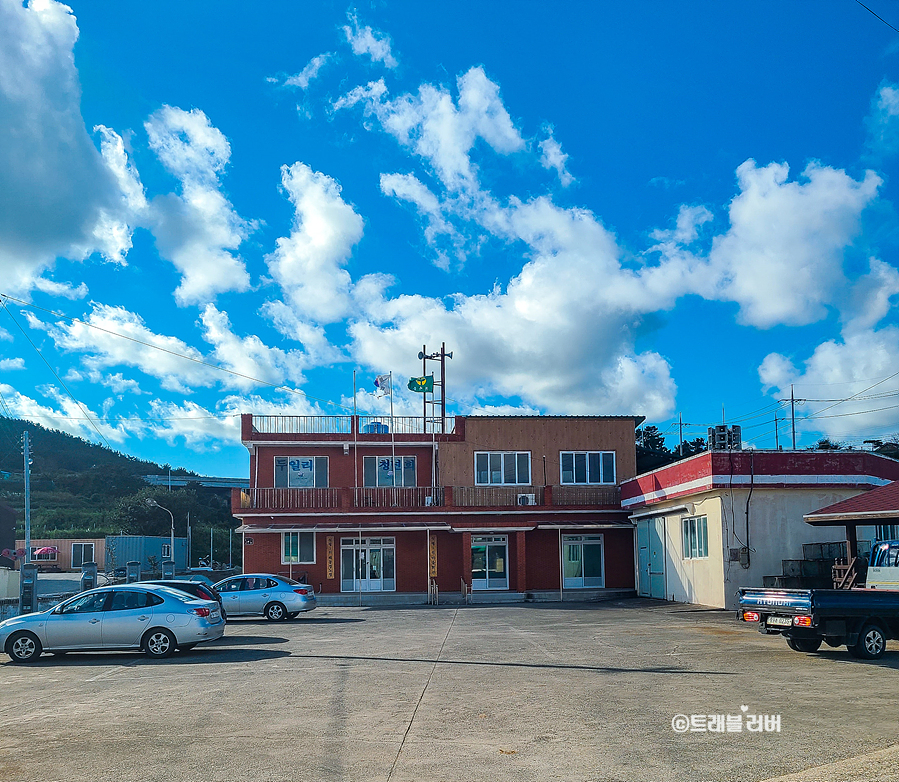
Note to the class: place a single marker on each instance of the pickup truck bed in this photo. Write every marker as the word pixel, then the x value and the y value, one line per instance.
pixel 862 619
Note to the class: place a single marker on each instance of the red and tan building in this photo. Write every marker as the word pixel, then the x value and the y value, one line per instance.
pixel 498 506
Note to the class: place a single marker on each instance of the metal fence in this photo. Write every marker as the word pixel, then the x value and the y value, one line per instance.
pixel 343 424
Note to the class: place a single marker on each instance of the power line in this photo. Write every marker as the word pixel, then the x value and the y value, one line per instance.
pixel 170 352
pixel 56 375
pixel 879 17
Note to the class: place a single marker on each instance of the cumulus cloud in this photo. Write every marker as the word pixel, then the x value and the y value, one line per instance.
pixel 862 363
pixel 440 130
pixel 66 415
pixel 553 157
pixel 308 264
pixel 11 364
pixel 782 257
pixel 366 41
pixel 64 289
pixel 59 196
pixel 198 231
pixel 883 120
pixel 309 73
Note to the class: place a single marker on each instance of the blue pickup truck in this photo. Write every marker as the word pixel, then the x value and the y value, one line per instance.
pixel 862 619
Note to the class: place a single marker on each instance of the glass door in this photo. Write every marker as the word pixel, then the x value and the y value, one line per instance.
pixel 582 561
pixel 367 565
pixel 489 562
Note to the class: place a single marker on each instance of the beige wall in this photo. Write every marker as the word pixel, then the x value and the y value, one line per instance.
pixel 541 435
pixel 776 532
pixel 64 557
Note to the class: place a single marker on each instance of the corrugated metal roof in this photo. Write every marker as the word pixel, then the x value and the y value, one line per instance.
pixel 880 502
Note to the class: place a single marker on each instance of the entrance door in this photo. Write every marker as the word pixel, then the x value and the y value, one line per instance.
pixel 489 562
pixel 651 557
pixel 582 561
pixel 368 565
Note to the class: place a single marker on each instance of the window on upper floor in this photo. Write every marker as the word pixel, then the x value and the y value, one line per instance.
pixel 376 471
pixel 587 467
pixel 512 467
pixel 301 472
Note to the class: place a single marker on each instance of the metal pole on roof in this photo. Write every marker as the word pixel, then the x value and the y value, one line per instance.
pixel 793 414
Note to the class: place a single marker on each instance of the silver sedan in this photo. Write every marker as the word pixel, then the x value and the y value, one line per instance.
pixel 275 597
pixel 155 619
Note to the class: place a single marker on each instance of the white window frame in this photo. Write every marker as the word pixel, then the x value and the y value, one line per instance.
pixel 49 556
pixel 298 561
pixel 695 537
pixel 503 456
pixel 83 560
pixel 166 547
pixel 602 477
pixel 314 473
pixel 401 459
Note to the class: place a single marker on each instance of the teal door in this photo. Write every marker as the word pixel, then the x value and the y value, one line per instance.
pixel 651 557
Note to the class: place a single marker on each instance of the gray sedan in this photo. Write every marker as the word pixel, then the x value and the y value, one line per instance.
pixel 275 597
pixel 155 619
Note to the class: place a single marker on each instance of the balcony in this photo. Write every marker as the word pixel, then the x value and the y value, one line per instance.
pixel 423 498
pixel 345 425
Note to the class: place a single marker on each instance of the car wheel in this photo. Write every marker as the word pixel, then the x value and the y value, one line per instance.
pixel 872 643
pixel 275 612
pixel 159 643
pixel 23 647
pixel 804 644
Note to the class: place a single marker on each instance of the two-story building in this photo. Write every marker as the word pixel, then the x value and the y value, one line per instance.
pixel 497 506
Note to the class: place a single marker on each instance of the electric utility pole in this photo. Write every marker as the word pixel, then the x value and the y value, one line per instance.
pixel 27 451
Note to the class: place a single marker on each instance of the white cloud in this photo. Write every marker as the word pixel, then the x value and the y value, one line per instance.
pixel 104 349
pixel 553 157
pixel 308 264
pixel 440 130
pixel 11 364
pixel 838 369
pixel 66 415
pixel 58 195
pixel 883 121
pixel 199 231
pixel 117 382
pixel 781 259
pixel 248 355
pixel 364 40
pixel 64 289
pixel 309 73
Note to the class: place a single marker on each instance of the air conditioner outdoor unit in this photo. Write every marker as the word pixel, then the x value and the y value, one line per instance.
pixel 527 499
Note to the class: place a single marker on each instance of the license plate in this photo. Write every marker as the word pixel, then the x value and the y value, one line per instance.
pixel 780 621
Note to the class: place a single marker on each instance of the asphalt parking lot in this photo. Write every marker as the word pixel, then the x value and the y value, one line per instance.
pixel 525 692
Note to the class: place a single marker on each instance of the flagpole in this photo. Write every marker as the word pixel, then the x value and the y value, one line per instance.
pixel 392 438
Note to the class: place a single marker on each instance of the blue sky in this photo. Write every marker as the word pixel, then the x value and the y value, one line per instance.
pixel 651 209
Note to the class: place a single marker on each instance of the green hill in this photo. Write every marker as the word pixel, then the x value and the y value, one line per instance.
pixel 81 489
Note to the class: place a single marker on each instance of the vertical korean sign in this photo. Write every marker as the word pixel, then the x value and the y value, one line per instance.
pixel 330 556
pixel 432 556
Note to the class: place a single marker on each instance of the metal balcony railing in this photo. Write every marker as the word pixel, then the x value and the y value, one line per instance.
pixel 399 497
pixel 497 496
pixel 343 424
pixel 586 495
pixel 290 499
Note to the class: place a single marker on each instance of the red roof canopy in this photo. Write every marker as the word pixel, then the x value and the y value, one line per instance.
pixel 877 506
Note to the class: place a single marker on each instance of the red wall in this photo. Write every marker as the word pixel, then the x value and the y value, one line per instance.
pixel 541 560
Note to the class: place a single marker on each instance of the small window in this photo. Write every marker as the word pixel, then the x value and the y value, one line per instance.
pixel 166 550
pixel 297 547
pixel 81 553
pixel 586 467
pixel 502 468
pixel 124 601
pixel 696 537
pixel 301 472
pixel 45 555
pixel 231 586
